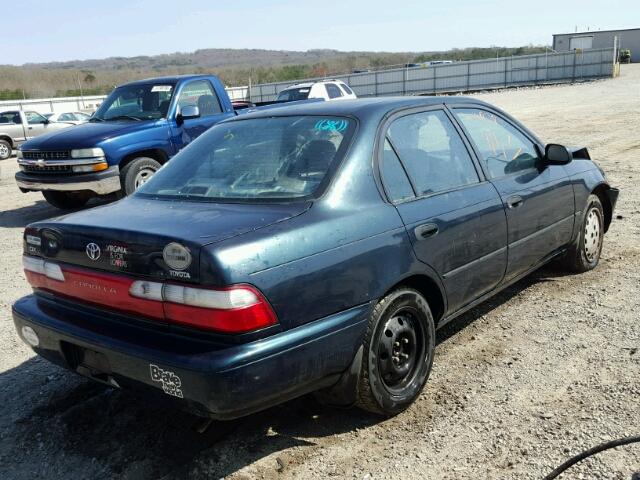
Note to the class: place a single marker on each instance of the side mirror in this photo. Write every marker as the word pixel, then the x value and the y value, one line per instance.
pixel 187 112
pixel 555 154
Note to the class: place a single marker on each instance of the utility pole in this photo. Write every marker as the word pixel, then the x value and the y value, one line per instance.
pixel 80 88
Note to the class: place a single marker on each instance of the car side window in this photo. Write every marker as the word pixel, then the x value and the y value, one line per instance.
pixel 66 117
pixel 502 147
pixel 346 88
pixel 200 94
pixel 10 117
pixel 34 118
pixel 395 180
pixel 333 91
pixel 432 152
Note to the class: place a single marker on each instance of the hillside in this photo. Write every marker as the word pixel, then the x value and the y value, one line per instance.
pixel 234 66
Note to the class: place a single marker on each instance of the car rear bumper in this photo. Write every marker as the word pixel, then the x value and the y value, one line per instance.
pixel 219 381
pixel 101 183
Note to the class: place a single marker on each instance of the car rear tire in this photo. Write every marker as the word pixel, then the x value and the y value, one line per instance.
pixel 5 150
pixel 137 172
pixel 66 200
pixel 398 353
pixel 584 254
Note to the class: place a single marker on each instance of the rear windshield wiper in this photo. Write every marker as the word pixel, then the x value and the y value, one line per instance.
pixel 126 117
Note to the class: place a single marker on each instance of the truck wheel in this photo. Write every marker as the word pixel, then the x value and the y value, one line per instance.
pixel 136 173
pixel 584 253
pixel 5 150
pixel 66 200
pixel 398 353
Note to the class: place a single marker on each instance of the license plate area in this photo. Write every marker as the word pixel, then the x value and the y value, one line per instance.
pixel 89 363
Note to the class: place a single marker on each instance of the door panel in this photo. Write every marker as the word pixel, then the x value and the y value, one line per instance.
pixel 198 93
pixel 455 221
pixel 538 199
pixel 543 221
pixel 469 249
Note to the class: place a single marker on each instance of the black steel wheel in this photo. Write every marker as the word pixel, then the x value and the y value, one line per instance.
pixel 398 353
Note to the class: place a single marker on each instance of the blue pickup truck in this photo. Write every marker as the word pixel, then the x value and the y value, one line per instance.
pixel 135 131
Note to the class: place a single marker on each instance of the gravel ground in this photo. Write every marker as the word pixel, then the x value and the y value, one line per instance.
pixel 544 370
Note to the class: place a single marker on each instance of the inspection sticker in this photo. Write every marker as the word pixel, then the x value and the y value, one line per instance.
pixel 161 88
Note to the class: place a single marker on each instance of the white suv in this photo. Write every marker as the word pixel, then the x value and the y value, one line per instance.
pixel 326 89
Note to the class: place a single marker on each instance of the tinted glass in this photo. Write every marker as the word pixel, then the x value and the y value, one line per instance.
pixel 293 94
pixel 432 152
pixel 10 117
pixel 346 88
pixel 394 178
pixel 255 160
pixel 503 148
pixel 136 102
pixel 333 91
pixel 200 94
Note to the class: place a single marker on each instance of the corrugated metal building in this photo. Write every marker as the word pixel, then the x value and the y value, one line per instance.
pixel 627 39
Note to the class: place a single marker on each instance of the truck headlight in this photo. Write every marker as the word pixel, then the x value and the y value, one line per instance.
pixel 93 167
pixel 19 154
pixel 87 153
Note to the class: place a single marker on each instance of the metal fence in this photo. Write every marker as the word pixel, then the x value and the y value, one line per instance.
pixel 444 78
pixel 468 76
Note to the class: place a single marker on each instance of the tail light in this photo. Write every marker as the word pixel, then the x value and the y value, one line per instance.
pixel 235 309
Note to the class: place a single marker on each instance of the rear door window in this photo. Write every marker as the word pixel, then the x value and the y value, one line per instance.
pixel 432 152
pixel 346 89
pixel 394 178
pixel 333 91
pixel 10 117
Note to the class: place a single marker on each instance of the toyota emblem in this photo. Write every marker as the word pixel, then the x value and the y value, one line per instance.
pixel 93 251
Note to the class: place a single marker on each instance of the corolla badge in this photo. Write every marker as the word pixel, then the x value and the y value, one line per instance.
pixel 176 256
pixel 93 251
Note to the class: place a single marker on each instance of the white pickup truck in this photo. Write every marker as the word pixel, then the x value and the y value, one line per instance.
pixel 16 127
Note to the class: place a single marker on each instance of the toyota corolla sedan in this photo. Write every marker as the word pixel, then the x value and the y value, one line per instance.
pixel 308 248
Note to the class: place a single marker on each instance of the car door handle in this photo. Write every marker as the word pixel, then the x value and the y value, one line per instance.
pixel 514 201
pixel 425 231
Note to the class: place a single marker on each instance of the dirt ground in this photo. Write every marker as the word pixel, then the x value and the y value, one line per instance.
pixel 544 370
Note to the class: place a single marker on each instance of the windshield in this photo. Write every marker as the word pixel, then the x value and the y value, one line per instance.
pixel 293 94
pixel 277 158
pixel 136 102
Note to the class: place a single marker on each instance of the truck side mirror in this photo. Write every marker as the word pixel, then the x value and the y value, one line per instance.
pixel 187 112
pixel 555 154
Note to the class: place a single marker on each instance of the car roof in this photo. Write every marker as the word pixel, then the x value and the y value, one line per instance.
pixel 168 79
pixel 311 84
pixel 361 107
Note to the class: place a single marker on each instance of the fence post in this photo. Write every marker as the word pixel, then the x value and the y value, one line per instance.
pixel 573 72
pixel 505 72
pixel 468 76
pixel 375 82
pixel 535 72
pixel 435 71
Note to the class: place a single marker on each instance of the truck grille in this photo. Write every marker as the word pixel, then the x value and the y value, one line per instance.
pixel 47 168
pixel 56 155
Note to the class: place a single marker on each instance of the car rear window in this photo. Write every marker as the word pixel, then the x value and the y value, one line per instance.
pixel 293 94
pixel 254 160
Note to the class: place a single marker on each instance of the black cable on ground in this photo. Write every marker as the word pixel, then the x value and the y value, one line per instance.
pixel 592 451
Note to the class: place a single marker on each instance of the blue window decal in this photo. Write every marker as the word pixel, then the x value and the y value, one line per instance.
pixel 332 125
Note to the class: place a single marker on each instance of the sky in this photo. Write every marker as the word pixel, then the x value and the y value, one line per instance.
pixel 44 31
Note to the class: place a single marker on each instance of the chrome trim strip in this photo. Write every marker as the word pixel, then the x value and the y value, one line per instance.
pixel 541 231
pixel 62 163
pixel 101 187
pixel 472 263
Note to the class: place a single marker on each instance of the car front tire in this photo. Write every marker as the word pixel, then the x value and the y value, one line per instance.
pixel 5 150
pixel 137 172
pixel 398 353
pixel 584 253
